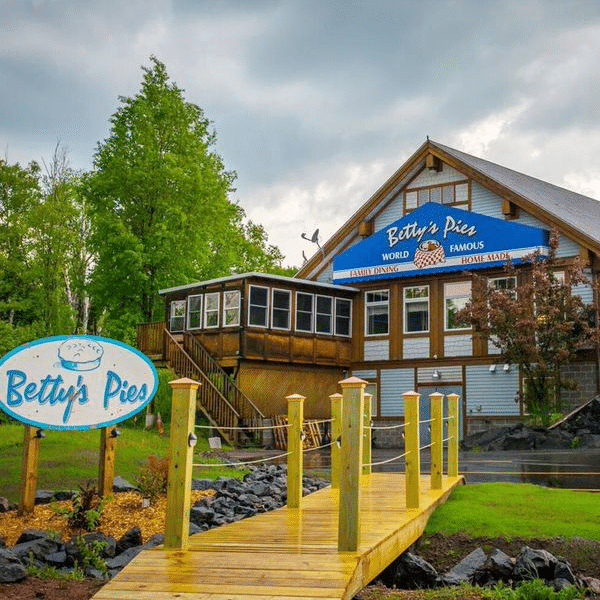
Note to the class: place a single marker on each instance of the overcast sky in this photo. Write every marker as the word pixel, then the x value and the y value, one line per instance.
pixel 315 102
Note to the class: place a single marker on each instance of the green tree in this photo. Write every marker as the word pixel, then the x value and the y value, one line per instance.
pixel 158 199
pixel 539 324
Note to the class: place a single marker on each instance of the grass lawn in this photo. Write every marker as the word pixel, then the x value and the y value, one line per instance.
pixel 515 509
pixel 68 459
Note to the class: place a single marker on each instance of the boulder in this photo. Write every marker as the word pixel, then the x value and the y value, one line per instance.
pixel 465 570
pixel 130 539
pixel 532 563
pixel 122 485
pixel 4 504
pixel 11 569
pixel 413 572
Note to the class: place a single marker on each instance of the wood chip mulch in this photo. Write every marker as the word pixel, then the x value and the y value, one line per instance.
pixel 121 513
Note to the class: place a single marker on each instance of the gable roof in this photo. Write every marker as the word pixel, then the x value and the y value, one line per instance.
pixel 577 215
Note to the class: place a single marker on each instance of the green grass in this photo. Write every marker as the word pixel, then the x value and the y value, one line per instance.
pixel 69 459
pixel 514 509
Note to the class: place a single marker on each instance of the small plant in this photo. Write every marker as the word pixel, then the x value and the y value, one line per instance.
pixel 150 483
pixel 50 572
pixel 86 509
pixel 575 442
pixel 535 589
pixel 91 553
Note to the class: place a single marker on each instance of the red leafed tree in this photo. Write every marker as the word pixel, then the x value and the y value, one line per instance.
pixel 538 324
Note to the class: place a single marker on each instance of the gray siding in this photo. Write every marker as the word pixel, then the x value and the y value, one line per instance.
pixel 394 382
pixel 458 345
pixel 453 373
pixel 376 350
pixel 492 393
pixel 566 246
pixel 584 290
pixel 326 276
pixel 365 374
pixel 392 212
pixel 431 177
pixel 415 348
pixel 485 202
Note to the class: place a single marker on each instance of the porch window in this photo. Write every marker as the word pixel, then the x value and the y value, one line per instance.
pixel 231 308
pixel 377 308
pixel 324 323
pixel 258 309
pixel 504 283
pixel 211 310
pixel 416 309
pixel 456 296
pixel 194 316
pixel 304 312
pixel 343 315
pixel 177 315
pixel 281 302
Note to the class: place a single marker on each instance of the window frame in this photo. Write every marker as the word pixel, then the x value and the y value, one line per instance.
pixel 172 306
pixel 200 312
pixel 335 316
pixel 330 315
pixel 447 297
pixel 274 308
pixel 227 309
pixel 375 304
pixel 250 305
pixel 212 310
pixel 417 192
pixel 406 301
pixel 312 313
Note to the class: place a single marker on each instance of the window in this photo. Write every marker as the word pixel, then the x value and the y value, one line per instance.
pixel 281 303
pixel 304 312
pixel 211 310
pixel 416 309
pixel 448 193
pixel 231 308
pixel 377 306
pixel 343 315
pixel 258 309
pixel 456 295
pixel 177 317
pixel 194 316
pixel 504 283
pixel 324 318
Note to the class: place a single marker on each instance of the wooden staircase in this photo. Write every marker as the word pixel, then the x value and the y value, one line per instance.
pixel 226 407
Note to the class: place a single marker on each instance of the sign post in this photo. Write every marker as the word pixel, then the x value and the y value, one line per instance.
pixel 31 448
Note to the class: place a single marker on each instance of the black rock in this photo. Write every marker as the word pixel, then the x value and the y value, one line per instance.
pixel 30 534
pixel 130 539
pixel 4 504
pixel 118 562
pixel 38 548
pixel 465 570
pixel 201 514
pixel 532 563
pixel 413 572
pixel 122 485
pixel 155 540
pixel 562 570
pixel 56 559
pixel 11 569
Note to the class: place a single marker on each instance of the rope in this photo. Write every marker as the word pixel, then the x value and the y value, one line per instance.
pixel 318 447
pixel 529 473
pixel 448 419
pixel 425 447
pixel 240 464
pixel 249 428
pixel 448 439
pixel 427 421
pixel 389 426
pixel 318 422
pixel 389 460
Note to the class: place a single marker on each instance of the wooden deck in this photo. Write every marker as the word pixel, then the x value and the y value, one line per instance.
pixel 285 554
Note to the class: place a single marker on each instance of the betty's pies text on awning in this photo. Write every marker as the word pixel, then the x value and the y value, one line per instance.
pixel 434 239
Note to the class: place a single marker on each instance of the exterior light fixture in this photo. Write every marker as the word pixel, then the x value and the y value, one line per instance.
pixel 436 374
pixel 40 433
pixel 115 433
pixel 492 368
pixel 192 439
pixel 506 367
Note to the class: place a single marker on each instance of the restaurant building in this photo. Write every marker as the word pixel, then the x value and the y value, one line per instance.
pixel 379 300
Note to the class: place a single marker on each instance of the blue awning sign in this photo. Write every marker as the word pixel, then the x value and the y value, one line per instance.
pixel 435 238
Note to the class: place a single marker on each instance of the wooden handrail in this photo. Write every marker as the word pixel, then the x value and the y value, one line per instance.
pixel 213 403
pixel 150 337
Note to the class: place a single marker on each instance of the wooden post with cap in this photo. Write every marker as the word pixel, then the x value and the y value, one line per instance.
pixel 351 464
pixel 336 434
pixel 106 466
pixel 181 449
pixel 453 435
pixel 295 447
pixel 412 459
pixel 437 444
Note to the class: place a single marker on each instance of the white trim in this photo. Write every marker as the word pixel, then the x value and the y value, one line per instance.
pixel 230 308
pixel 172 305
pixel 452 297
pixel 212 310
pixel 317 313
pixel 406 300
pixel 201 311
pixel 289 309
pixel 335 301
pixel 312 313
pixel 260 287
pixel 377 303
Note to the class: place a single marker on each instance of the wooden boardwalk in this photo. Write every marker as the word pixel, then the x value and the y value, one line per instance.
pixel 285 554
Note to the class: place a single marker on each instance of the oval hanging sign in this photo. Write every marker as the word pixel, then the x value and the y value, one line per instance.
pixel 75 382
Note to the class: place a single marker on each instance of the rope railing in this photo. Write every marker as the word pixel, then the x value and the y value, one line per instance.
pixel 387 461
pixel 384 427
pixel 243 428
pixel 318 447
pixel 243 463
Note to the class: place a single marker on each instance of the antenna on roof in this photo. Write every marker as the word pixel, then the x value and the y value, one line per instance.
pixel 314 238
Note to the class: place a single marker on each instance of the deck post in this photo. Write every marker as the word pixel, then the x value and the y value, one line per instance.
pixel 294 447
pixel 336 433
pixel 453 435
pixel 351 464
pixel 181 448
pixel 366 457
pixel 437 444
pixel 29 469
pixel 412 459
pixel 106 466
